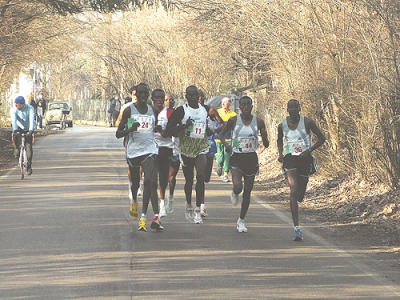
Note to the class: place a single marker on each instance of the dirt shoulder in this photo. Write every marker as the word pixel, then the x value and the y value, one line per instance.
pixel 348 213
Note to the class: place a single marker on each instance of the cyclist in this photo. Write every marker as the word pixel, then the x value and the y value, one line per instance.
pixel 23 121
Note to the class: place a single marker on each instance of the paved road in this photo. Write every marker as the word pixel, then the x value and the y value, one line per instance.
pixel 66 234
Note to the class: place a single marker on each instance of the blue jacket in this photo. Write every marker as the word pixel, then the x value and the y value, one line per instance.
pixel 23 119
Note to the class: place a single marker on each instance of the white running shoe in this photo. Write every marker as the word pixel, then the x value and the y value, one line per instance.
pixel 130 195
pixel 140 191
pixel 226 179
pixel 203 210
pixel 234 199
pixel 241 226
pixel 163 213
pixel 197 217
pixel 189 212
pixel 170 204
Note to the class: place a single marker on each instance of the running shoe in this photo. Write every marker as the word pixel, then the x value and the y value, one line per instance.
pixel 203 210
pixel 219 170
pixel 297 234
pixel 156 224
pixel 197 216
pixel 142 224
pixel 234 199
pixel 241 226
pixel 29 170
pixel 225 179
pixel 189 212
pixel 133 210
pixel 130 194
pixel 163 212
pixel 140 191
pixel 170 204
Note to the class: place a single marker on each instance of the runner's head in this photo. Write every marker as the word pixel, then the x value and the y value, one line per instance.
pixel 192 96
pixel 246 104
pixel 202 96
pixel 293 107
pixel 226 103
pixel 142 93
pixel 169 100
pixel 158 98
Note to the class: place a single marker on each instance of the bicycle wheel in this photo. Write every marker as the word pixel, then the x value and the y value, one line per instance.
pixel 62 122
pixel 22 162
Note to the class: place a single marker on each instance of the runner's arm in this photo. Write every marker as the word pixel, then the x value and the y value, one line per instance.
pixel 312 126
pixel 230 125
pixel 213 112
pixel 263 132
pixel 122 130
pixel 279 143
pixel 174 125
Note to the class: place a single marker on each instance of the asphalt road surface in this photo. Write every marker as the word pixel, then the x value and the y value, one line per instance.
pixel 66 233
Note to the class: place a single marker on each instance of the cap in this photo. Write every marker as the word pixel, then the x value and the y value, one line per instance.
pixel 19 99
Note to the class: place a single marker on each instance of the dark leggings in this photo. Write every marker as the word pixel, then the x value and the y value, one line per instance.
pixel 208 171
pixel 164 163
pixel 28 147
pixel 188 164
pixel 173 171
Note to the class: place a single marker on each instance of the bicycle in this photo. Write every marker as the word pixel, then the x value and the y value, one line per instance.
pixel 63 119
pixel 23 157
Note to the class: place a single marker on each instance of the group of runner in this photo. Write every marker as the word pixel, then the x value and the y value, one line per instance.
pixel 158 139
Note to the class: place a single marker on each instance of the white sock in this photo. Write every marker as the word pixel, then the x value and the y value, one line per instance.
pixel 296 227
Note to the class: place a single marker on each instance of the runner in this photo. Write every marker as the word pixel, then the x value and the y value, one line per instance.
pixel 142 150
pixel 132 99
pixel 165 145
pixel 175 163
pixel 215 124
pixel 189 123
pixel 222 156
pixel 296 156
pixel 244 159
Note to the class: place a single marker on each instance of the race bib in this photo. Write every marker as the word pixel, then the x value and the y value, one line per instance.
pixel 196 130
pixel 245 144
pixel 162 123
pixel 146 123
pixel 295 148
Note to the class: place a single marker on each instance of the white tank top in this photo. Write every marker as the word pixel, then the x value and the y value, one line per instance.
pixel 244 137
pixel 297 140
pixel 194 140
pixel 142 141
pixel 163 120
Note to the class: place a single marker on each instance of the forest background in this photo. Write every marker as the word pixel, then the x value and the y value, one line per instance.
pixel 339 58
